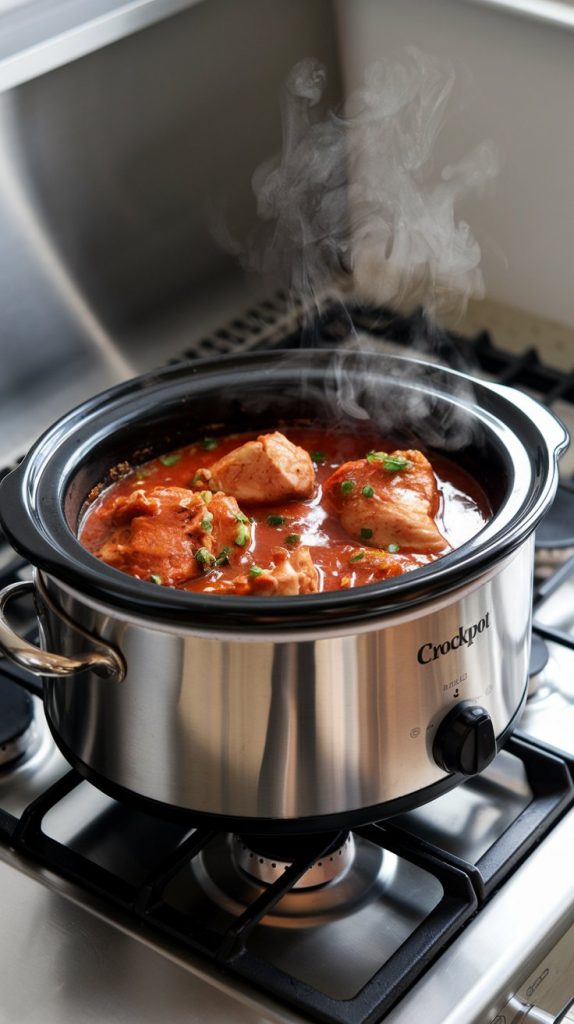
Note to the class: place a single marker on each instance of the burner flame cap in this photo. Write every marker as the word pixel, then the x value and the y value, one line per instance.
pixel 267 869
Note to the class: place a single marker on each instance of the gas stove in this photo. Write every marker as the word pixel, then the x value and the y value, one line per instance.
pixel 459 912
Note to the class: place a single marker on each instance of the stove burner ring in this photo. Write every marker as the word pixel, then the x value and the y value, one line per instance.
pixel 220 880
pixel 262 866
pixel 18 732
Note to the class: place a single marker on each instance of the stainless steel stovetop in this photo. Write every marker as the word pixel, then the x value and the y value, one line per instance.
pixel 461 912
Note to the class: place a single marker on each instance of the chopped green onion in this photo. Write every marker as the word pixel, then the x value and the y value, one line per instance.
pixel 255 571
pixel 154 578
pixel 206 496
pixel 347 486
pixel 276 520
pixel 170 460
pixel 209 443
pixel 357 557
pixel 318 457
pixel 197 479
pixel 393 463
pixel 393 548
pixel 366 533
pixel 292 538
pixel 241 535
pixel 207 524
pixel 223 556
pixel 241 517
pixel 368 491
pixel 204 557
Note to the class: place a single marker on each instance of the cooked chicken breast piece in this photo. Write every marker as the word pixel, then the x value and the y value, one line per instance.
pixel 268 469
pixel 290 572
pixel 388 499
pixel 173 534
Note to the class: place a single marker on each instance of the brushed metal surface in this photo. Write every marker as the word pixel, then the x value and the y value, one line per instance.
pixel 85 969
pixel 40 35
pixel 290 727
pixel 523 937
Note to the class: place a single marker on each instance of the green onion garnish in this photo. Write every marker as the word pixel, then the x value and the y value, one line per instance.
pixel 357 557
pixel 318 457
pixel 276 520
pixel 223 556
pixel 393 548
pixel 241 517
pixel 209 443
pixel 241 535
pixel 368 491
pixel 366 533
pixel 393 463
pixel 170 460
pixel 292 538
pixel 207 524
pixel 347 486
pixel 154 578
pixel 255 571
pixel 204 557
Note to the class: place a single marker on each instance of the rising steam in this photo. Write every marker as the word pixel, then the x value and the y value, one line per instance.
pixel 358 195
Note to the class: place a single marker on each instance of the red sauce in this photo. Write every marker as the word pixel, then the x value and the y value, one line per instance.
pixel 463 510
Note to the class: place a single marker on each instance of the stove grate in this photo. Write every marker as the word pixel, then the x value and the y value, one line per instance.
pixel 230 950
pixel 465 887
pixel 551 779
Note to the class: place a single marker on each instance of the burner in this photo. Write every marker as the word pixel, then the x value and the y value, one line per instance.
pixel 554 538
pixel 557 528
pixel 220 873
pixel 17 726
pixel 255 856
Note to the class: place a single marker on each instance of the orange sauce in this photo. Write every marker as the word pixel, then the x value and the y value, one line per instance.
pixel 463 510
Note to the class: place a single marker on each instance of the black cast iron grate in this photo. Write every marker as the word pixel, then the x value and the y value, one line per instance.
pixel 465 886
pixel 281 323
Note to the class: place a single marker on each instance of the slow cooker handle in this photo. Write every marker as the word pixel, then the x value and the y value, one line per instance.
pixel 104 663
pixel 551 427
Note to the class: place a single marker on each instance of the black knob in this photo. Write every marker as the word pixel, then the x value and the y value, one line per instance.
pixel 465 742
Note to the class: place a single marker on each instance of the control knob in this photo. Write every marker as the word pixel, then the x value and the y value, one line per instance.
pixel 465 741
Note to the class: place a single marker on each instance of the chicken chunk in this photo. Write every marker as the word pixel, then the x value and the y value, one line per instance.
pixel 289 573
pixel 267 470
pixel 388 499
pixel 173 534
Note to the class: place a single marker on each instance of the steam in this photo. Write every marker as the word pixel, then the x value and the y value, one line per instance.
pixel 356 206
pixel 357 195
pixel 404 398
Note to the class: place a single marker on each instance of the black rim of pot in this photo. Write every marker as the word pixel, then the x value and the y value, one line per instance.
pixel 34 496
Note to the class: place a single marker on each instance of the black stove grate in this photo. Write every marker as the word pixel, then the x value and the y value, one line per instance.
pixel 465 887
pixel 551 780
pixel 280 323
pixel 145 902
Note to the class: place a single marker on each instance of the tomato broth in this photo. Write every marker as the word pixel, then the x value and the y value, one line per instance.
pixel 340 560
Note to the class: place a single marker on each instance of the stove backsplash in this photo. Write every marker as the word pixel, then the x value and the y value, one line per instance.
pixel 120 171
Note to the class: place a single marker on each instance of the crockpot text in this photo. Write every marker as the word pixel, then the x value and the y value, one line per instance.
pixel 466 635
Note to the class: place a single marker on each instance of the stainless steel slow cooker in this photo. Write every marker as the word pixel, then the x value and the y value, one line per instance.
pixel 284 713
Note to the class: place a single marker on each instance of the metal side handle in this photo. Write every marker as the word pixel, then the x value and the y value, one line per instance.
pixel 104 662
